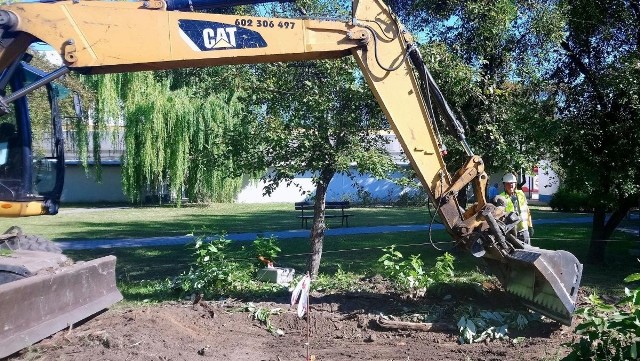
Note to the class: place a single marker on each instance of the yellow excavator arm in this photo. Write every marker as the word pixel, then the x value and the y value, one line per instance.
pixel 104 37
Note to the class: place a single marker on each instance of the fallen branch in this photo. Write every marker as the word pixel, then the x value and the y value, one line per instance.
pixel 415 326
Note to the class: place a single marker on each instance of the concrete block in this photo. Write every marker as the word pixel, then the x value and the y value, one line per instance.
pixel 279 275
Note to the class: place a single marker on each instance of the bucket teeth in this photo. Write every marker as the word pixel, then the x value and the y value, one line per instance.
pixel 517 290
pixel 545 281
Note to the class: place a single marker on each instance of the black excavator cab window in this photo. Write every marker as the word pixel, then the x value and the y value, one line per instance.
pixel 10 154
pixel 31 142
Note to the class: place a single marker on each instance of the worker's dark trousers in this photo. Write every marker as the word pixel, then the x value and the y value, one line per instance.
pixel 523 236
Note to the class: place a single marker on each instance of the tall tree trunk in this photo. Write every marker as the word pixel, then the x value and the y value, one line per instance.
pixel 598 243
pixel 603 228
pixel 318 228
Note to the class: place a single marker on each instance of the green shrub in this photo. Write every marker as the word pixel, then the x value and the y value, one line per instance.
pixel 443 270
pixel 566 200
pixel 417 198
pixel 212 273
pixel 609 332
pixel 410 275
pixel 267 247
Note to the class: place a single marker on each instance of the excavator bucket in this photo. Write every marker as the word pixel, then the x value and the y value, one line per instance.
pixel 545 281
pixel 33 307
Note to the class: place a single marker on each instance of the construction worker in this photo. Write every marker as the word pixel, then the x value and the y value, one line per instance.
pixel 516 201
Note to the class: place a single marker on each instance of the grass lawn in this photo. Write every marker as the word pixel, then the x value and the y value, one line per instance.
pixel 132 222
pixel 355 253
pixel 359 254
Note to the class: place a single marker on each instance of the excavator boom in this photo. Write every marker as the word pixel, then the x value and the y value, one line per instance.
pixel 96 37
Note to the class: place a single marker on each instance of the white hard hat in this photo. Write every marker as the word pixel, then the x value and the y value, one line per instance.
pixel 509 178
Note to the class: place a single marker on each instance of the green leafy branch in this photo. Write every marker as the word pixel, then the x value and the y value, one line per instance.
pixel 609 332
pixel 410 274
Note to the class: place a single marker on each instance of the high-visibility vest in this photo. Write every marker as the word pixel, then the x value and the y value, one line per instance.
pixel 520 206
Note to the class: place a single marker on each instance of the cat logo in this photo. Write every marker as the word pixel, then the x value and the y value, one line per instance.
pixel 219 38
pixel 214 36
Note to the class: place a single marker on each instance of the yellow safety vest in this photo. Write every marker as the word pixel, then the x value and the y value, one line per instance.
pixel 523 210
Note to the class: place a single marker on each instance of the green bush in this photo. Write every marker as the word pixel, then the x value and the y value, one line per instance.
pixel 212 273
pixel 410 274
pixel 266 247
pixel 339 281
pixel 418 198
pixel 566 200
pixel 443 270
pixel 609 332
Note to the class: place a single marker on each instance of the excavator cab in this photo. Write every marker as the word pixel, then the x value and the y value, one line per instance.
pixel 31 163
pixel 41 290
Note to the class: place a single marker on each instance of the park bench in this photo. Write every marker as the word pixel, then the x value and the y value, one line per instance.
pixel 308 206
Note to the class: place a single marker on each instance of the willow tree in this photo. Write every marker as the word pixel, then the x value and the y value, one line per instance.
pixel 172 138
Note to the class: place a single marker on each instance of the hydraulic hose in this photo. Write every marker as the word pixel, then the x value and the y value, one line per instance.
pixel 427 81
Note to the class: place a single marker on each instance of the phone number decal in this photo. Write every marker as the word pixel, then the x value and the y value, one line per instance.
pixel 265 23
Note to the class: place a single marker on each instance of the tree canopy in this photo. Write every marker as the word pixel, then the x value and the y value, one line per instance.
pixel 544 79
pixel 597 83
pixel 487 58
pixel 530 80
pixel 317 117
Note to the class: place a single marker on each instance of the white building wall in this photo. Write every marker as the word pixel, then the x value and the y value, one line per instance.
pixel 252 191
pixel 81 187
pixel 341 188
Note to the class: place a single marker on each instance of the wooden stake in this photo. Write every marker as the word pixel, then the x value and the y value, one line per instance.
pixel 415 326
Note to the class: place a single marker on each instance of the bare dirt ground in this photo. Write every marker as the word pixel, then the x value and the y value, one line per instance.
pixel 342 327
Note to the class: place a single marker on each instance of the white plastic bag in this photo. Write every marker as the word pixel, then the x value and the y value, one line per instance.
pixel 300 295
